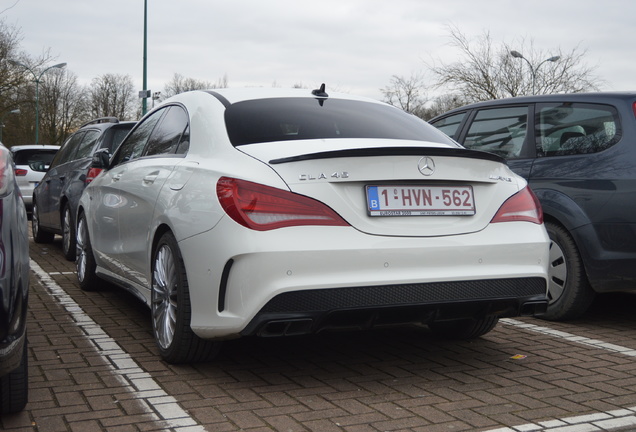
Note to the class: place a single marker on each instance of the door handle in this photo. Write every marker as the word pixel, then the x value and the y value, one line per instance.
pixel 150 178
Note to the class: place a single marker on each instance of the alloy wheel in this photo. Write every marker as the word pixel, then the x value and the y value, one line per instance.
pixel 81 260
pixel 164 296
pixel 67 232
pixel 35 220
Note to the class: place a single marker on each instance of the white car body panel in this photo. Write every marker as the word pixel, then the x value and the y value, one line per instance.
pixel 316 178
pixel 279 262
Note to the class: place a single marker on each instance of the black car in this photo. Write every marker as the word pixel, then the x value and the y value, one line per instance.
pixel 14 290
pixel 578 152
pixel 55 198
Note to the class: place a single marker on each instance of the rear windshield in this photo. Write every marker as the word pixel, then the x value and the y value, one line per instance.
pixel 266 120
pixel 27 157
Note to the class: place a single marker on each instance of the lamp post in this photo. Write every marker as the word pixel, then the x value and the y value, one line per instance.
pixel 15 111
pixel 144 103
pixel 36 79
pixel 533 70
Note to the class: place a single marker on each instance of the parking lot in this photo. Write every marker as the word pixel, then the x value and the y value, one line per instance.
pixel 94 367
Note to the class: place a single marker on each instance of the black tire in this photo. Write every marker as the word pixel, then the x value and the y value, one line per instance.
pixel 85 262
pixel 14 387
pixel 569 290
pixel 69 244
pixel 171 309
pixel 464 329
pixel 39 235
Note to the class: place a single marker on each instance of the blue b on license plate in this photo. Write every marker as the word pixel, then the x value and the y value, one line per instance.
pixel 420 200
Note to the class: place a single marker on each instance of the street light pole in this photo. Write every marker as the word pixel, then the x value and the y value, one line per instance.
pixel 144 103
pixel 533 70
pixel 36 79
pixel 15 111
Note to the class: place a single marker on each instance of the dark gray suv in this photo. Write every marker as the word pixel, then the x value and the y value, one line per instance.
pixel 56 196
pixel 578 152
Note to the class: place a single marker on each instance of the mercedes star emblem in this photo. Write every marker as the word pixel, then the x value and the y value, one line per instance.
pixel 426 166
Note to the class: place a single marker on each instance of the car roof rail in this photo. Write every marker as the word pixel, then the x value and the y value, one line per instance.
pixel 101 120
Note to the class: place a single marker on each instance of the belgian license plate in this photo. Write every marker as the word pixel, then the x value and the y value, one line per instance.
pixel 420 200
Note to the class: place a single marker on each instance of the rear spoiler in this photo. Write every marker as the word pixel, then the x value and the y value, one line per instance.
pixel 393 151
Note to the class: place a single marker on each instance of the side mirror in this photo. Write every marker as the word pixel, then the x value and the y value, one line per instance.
pixel 101 159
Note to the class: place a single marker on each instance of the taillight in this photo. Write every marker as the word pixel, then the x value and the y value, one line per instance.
pixel 522 206
pixel 92 174
pixel 20 172
pixel 263 208
pixel 634 108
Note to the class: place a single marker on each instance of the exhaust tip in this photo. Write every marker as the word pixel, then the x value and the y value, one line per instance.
pixel 534 308
pixel 286 328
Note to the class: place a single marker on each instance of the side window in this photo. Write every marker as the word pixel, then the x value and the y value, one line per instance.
pixel 134 144
pixel 169 133
pixel 573 128
pixel 86 146
pixel 184 143
pixel 67 151
pixel 450 125
pixel 499 130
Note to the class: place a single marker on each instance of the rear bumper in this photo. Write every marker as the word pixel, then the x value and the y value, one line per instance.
pixel 238 286
pixel 311 311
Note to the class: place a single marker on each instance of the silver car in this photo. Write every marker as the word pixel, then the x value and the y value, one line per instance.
pixel 26 158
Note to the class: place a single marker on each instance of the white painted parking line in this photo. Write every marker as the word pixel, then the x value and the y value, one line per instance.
pixel 572 338
pixel 155 401
pixel 604 421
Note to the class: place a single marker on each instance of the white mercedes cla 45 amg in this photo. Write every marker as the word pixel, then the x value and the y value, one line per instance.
pixel 271 212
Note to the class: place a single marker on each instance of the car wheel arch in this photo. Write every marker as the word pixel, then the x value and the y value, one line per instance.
pixel 159 232
pixel 561 208
pixel 64 201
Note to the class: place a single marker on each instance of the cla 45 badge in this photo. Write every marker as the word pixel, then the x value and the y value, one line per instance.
pixel 323 176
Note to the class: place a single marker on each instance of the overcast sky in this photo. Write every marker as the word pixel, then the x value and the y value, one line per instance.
pixel 352 45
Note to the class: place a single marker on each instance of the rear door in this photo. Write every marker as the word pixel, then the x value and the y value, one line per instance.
pixel 107 199
pixel 138 182
pixel 63 178
pixel 48 193
pixel 577 158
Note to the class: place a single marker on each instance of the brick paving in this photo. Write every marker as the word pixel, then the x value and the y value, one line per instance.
pixel 94 367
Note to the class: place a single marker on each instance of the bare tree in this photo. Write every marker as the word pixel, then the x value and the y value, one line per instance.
pixel 409 94
pixel 10 78
pixel 63 106
pixel 443 103
pixel 112 95
pixel 180 84
pixel 17 87
pixel 25 79
pixel 485 71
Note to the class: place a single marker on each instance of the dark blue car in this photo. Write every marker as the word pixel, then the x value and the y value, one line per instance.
pixel 55 198
pixel 578 152
pixel 14 290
